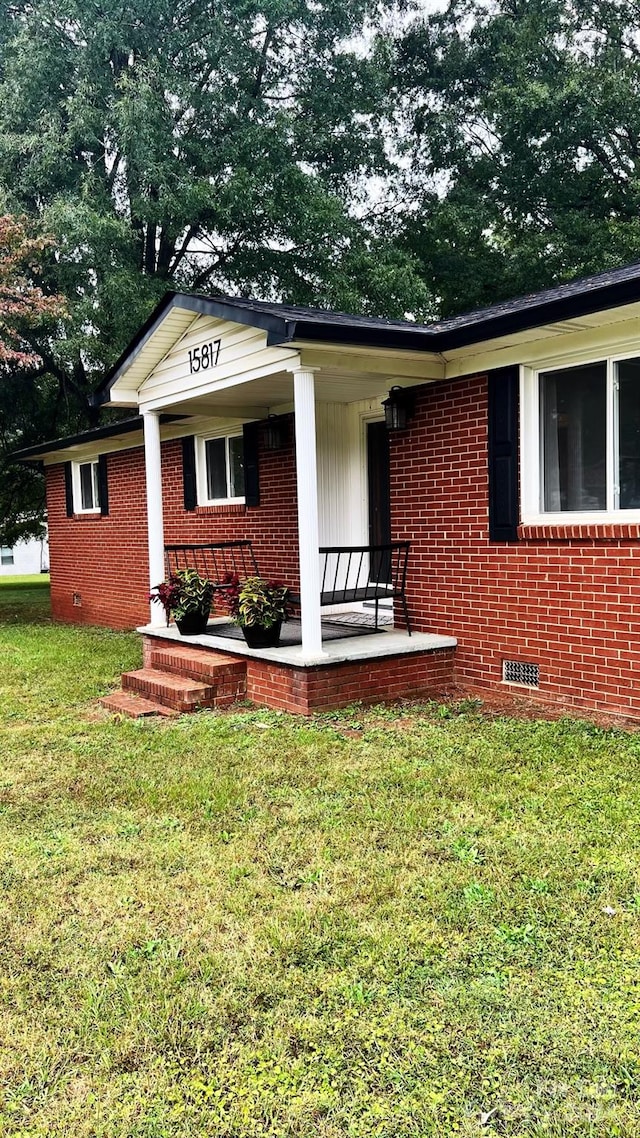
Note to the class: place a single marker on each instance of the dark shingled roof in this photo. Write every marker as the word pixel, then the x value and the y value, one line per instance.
pixel 587 293
pixel 588 289
pixel 288 323
pixel 108 431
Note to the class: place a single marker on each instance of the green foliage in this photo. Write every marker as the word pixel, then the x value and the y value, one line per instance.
pixel 524 144
pixel 24 308
pixel 255 602
pixel 199 146
pixel 328 154
pixel 184 592
pixel 191 145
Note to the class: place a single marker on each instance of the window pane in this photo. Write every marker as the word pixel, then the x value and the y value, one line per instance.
pixel 573 416
pixel 86 486
pixel 215 451
pixel 6 556
pixel 96 484
pixel 236 467
pixel 629 433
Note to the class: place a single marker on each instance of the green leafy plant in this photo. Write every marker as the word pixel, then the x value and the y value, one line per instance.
pixel 256 602
pixel 185 591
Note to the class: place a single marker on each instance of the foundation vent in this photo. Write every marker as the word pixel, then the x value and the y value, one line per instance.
pixel 517 672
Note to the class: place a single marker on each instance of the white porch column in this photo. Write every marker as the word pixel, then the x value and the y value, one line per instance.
pixel 155 524
pixel 308 532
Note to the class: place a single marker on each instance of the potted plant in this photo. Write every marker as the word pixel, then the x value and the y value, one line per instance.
pixel 187 597
pixel 258 607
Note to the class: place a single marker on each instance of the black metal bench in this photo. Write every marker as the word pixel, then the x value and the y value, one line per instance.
pixel 215 562
pixel 358 573
pixel 350 574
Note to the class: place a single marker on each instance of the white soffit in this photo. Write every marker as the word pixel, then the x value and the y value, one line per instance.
pixel 248 370
pixel 158 374
pixel 174 325
pixel 86 451
pixel 609 330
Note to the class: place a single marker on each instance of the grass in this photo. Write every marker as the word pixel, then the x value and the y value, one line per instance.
pixel 362 925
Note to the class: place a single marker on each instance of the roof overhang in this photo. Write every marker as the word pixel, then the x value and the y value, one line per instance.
pixel 549 313
pixel 175 313
pixel 356 356
pixel 552 307
pixel 112 436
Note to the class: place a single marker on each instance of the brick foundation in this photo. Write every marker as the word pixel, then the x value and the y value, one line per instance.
pixel 304 690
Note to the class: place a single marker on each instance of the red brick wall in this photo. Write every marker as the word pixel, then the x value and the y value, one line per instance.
pixel 303 690
pixel 272 527
pixel 101 560
pixel 104 561
pixel 566 600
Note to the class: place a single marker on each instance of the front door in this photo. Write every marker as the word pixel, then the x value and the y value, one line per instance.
pixel 379 496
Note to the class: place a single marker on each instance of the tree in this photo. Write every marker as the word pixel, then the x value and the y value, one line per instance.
pixel 24 308
pixel 182 143
pixel 523 130
pixel 193 145
pixel 23 304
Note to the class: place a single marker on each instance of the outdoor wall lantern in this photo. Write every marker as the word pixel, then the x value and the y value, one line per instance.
pixel 275 432
pixel 398 408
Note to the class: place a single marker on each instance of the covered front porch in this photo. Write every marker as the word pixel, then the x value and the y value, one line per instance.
pixel 224 373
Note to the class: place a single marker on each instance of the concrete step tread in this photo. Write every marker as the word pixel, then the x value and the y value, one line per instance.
pixel 135 706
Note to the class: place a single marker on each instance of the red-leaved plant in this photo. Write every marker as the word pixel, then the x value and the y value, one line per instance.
pixel 255 602
pixel 182 593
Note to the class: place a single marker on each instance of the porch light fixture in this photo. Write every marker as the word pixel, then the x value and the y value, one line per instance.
pixel 398 408
pixel 275 432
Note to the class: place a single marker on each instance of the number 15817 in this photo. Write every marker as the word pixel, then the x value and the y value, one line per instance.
pixel 205 356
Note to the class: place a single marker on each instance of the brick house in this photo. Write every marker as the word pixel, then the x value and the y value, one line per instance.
pixel 514 473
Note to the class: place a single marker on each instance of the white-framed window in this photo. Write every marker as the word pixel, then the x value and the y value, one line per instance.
pixel 220 469
pixel 580 441
pixel 86 487
pixel 6 555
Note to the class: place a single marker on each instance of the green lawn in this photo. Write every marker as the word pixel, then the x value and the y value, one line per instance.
pixel 252 925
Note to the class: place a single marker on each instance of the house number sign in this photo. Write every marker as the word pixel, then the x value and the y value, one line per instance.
pixel 205 356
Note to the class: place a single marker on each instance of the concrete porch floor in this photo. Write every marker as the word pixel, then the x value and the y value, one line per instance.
pixel 370 646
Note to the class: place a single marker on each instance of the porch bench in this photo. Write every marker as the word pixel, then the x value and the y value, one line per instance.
pixel 350 574
pixel 355 573
pixel 214 561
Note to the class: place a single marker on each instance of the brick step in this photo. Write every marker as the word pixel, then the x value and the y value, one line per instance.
pixel 182 693
pixel 135 706
pixel 178 678
pixel 200 665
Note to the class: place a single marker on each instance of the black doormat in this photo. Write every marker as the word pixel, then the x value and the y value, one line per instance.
pixel 292 632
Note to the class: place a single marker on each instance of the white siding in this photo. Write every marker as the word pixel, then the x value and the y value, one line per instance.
pixel 243 355
pixel 340 475
pixel 28 557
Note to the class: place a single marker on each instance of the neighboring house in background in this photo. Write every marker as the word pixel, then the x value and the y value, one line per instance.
pixel 25 557
pixel 512 466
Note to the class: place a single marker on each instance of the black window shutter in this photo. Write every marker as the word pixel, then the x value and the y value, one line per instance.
pixel 103 485
pixel 251 433
pixel 504 512
pixel 68 488
pixel 189 472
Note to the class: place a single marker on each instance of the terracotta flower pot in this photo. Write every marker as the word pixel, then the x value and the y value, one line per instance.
pixel 193 623
pixel 258 637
